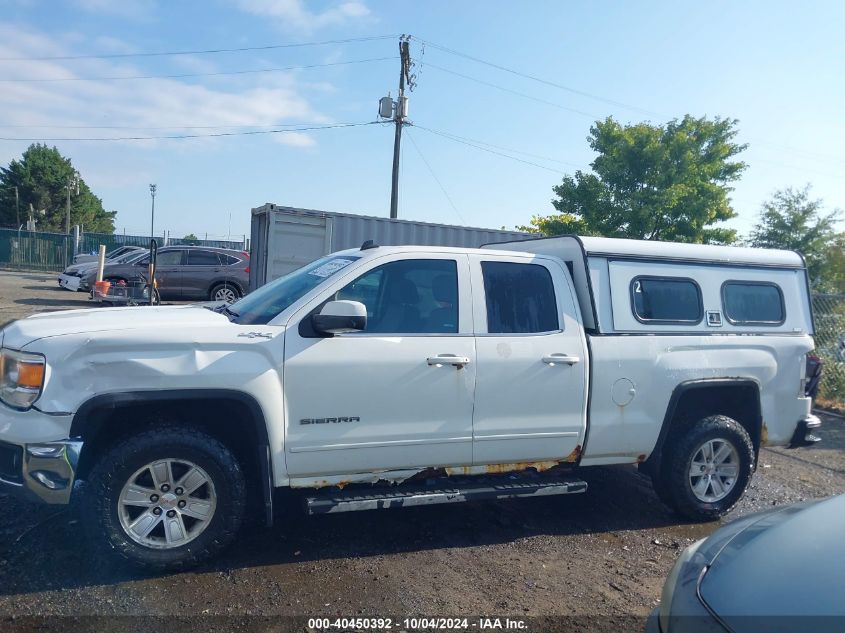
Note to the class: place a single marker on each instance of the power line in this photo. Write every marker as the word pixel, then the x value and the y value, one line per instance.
pixel 546 82
pixel 456 137
pixel 158 127
pixel 486 149
pixel 571 90
pixel 513 92
pixel 436 179
pixel 189 136
pixel 186 75
pixel 210 51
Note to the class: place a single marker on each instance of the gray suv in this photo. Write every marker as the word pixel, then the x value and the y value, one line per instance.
pixel 187 273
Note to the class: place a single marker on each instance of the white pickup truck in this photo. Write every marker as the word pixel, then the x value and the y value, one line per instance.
pixel 395 376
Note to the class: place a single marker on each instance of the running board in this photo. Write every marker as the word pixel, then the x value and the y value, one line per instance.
pixel 403 497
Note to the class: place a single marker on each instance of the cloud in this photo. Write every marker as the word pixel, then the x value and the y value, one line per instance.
pixel 145 106
pixel 293 14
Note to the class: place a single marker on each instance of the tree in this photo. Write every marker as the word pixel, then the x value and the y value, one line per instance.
pixel 41 176
pixel 652 182
pixel 791 220
pixel 190 238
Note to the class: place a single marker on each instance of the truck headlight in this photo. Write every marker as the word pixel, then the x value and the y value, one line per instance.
pixel 21 378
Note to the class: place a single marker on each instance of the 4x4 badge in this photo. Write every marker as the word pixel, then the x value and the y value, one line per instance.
pixel 256 335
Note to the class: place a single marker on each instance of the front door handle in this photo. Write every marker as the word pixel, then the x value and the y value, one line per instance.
pixel 554 359
pixel 448 359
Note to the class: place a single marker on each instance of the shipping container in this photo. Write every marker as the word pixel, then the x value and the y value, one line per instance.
pixel 285 238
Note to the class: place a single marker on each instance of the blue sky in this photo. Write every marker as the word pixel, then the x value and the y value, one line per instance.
pixel 775 66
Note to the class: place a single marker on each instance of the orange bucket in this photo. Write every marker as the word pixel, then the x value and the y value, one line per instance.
pixel 102 287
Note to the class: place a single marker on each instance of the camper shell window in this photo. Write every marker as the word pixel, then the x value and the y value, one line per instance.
pixel 666 300
pixel 753 303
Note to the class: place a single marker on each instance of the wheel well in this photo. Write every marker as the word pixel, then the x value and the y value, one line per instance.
pixel 233 418
pixel 225 282
pixel 690 402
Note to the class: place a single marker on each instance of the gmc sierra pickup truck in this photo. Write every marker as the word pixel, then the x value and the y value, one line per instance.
pixel 383 377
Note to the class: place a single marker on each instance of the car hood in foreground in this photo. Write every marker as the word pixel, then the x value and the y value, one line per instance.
pixel 38 326
pixel 788 563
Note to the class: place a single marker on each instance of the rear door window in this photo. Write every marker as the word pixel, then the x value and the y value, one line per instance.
pixel 666 300
pixel 202 258
pixel 520 298
pixel 753 303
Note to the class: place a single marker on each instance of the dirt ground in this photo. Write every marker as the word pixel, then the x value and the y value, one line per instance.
pixel 604 553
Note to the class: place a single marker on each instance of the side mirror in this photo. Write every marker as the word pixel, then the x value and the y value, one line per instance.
pixel 338 317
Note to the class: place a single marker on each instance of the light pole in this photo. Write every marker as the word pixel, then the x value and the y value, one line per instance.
pixel 153 213
pixel 72 183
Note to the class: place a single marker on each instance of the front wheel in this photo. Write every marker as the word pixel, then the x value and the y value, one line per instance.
pixel 167 498
pixel 707 469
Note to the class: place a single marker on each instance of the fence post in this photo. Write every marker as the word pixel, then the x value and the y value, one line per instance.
pixel 76 237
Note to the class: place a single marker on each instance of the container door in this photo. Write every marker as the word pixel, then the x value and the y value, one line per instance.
pixel 296 240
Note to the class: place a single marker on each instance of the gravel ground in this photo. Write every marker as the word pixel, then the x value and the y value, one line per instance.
pixel 602 554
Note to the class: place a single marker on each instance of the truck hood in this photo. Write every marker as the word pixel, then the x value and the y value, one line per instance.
pixel 25 331
pixel 787 563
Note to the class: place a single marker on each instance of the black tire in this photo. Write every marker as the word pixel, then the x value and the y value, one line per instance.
pixel 156 297
pixel 230 287
pixel 118 465
pixel 672 480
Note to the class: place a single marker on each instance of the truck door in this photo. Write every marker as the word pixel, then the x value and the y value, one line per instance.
pixel 396 396
pixel 531 391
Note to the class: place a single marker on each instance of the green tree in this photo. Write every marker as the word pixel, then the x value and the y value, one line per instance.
pixel 41 176
pixel 190 238
pixel 652 182
pixel 794 221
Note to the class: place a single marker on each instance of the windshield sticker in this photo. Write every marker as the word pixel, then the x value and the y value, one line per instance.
pixel 330 268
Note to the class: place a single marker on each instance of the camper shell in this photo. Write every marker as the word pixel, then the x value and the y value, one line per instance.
pixel 604 272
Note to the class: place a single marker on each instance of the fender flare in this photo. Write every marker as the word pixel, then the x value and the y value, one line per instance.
pixel 84 424
pixel 703 383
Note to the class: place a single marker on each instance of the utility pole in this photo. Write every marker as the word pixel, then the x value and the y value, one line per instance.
pixel 72 183
pixel 153 212
pixel 400 111
pixel 17 207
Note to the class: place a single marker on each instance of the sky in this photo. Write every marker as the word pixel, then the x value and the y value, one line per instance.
pixel 775 66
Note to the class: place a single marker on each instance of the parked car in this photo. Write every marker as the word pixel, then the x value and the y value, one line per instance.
pixel 81 258
pixel 393 376
pixel 73 275
pixel 185 273
pixel 779 570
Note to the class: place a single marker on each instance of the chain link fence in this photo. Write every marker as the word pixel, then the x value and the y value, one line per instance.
pixel 53 252
pixel 27 250
pixel 829 314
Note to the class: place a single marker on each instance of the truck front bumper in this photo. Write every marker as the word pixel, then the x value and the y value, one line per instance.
pixel 803 435
pixel 42 472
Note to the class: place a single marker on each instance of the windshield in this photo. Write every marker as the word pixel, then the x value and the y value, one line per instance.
pixel 268 301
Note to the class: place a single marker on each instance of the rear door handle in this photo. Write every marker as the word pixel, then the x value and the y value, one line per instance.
pixel 554 359
pixel 448 359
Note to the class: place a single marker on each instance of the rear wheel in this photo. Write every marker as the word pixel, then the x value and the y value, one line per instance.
pixel 225 292
pixel 707 469
pixel 166 498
